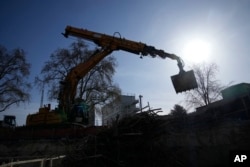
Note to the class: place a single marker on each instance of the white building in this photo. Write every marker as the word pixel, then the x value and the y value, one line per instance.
pixel 119 108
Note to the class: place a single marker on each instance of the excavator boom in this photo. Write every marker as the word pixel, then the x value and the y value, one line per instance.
pixel 115 43
pixel 182 82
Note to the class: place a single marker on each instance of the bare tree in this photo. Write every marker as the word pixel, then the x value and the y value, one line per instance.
pixel 96 87
pixel 14 72
pixel 209 88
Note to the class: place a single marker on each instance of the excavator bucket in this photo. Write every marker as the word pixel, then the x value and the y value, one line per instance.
pixel 184 81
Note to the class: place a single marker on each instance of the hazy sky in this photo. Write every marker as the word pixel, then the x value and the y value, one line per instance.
pixel 223 26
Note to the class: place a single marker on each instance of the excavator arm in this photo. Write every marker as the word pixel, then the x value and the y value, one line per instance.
pixel 115 43
pixel 68 91
pixel 182 82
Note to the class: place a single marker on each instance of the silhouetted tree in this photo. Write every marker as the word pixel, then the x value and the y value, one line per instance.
pixel 209 88
pixel 96 87
pixel 178 111
pixel 14 72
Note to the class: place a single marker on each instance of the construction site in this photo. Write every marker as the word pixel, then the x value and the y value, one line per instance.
pixel 129 136
pixel 145 139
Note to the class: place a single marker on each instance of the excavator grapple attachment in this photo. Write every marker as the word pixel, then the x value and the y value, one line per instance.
pixel 184 81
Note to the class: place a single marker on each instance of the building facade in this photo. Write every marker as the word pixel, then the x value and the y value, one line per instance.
pixel 235 103
pixel 121 107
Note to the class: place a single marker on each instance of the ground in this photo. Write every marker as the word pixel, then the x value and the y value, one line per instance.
pixel 145 140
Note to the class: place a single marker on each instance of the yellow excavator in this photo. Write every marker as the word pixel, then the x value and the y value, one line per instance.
pixel 71 111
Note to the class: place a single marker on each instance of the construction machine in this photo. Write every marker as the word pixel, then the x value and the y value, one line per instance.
pixel 72 111
pixel 8 121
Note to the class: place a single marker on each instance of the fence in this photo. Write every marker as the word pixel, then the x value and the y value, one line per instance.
pixel 41 160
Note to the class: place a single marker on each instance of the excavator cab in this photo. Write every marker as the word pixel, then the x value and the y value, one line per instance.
pixel 80 114
pixel 184 81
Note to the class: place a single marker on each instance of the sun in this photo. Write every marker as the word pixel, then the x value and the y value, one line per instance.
pixel 197 50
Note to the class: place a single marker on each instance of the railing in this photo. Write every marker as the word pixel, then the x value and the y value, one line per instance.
pixel 41 160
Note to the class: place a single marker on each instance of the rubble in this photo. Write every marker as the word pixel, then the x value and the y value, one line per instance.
pixel 150 140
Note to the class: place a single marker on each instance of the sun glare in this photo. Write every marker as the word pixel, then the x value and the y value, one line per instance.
pixel 197 50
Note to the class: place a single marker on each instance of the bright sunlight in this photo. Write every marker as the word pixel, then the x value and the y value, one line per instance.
pixel 197 50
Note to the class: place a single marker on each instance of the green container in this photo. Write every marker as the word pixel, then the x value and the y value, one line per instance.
pixel 236 91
